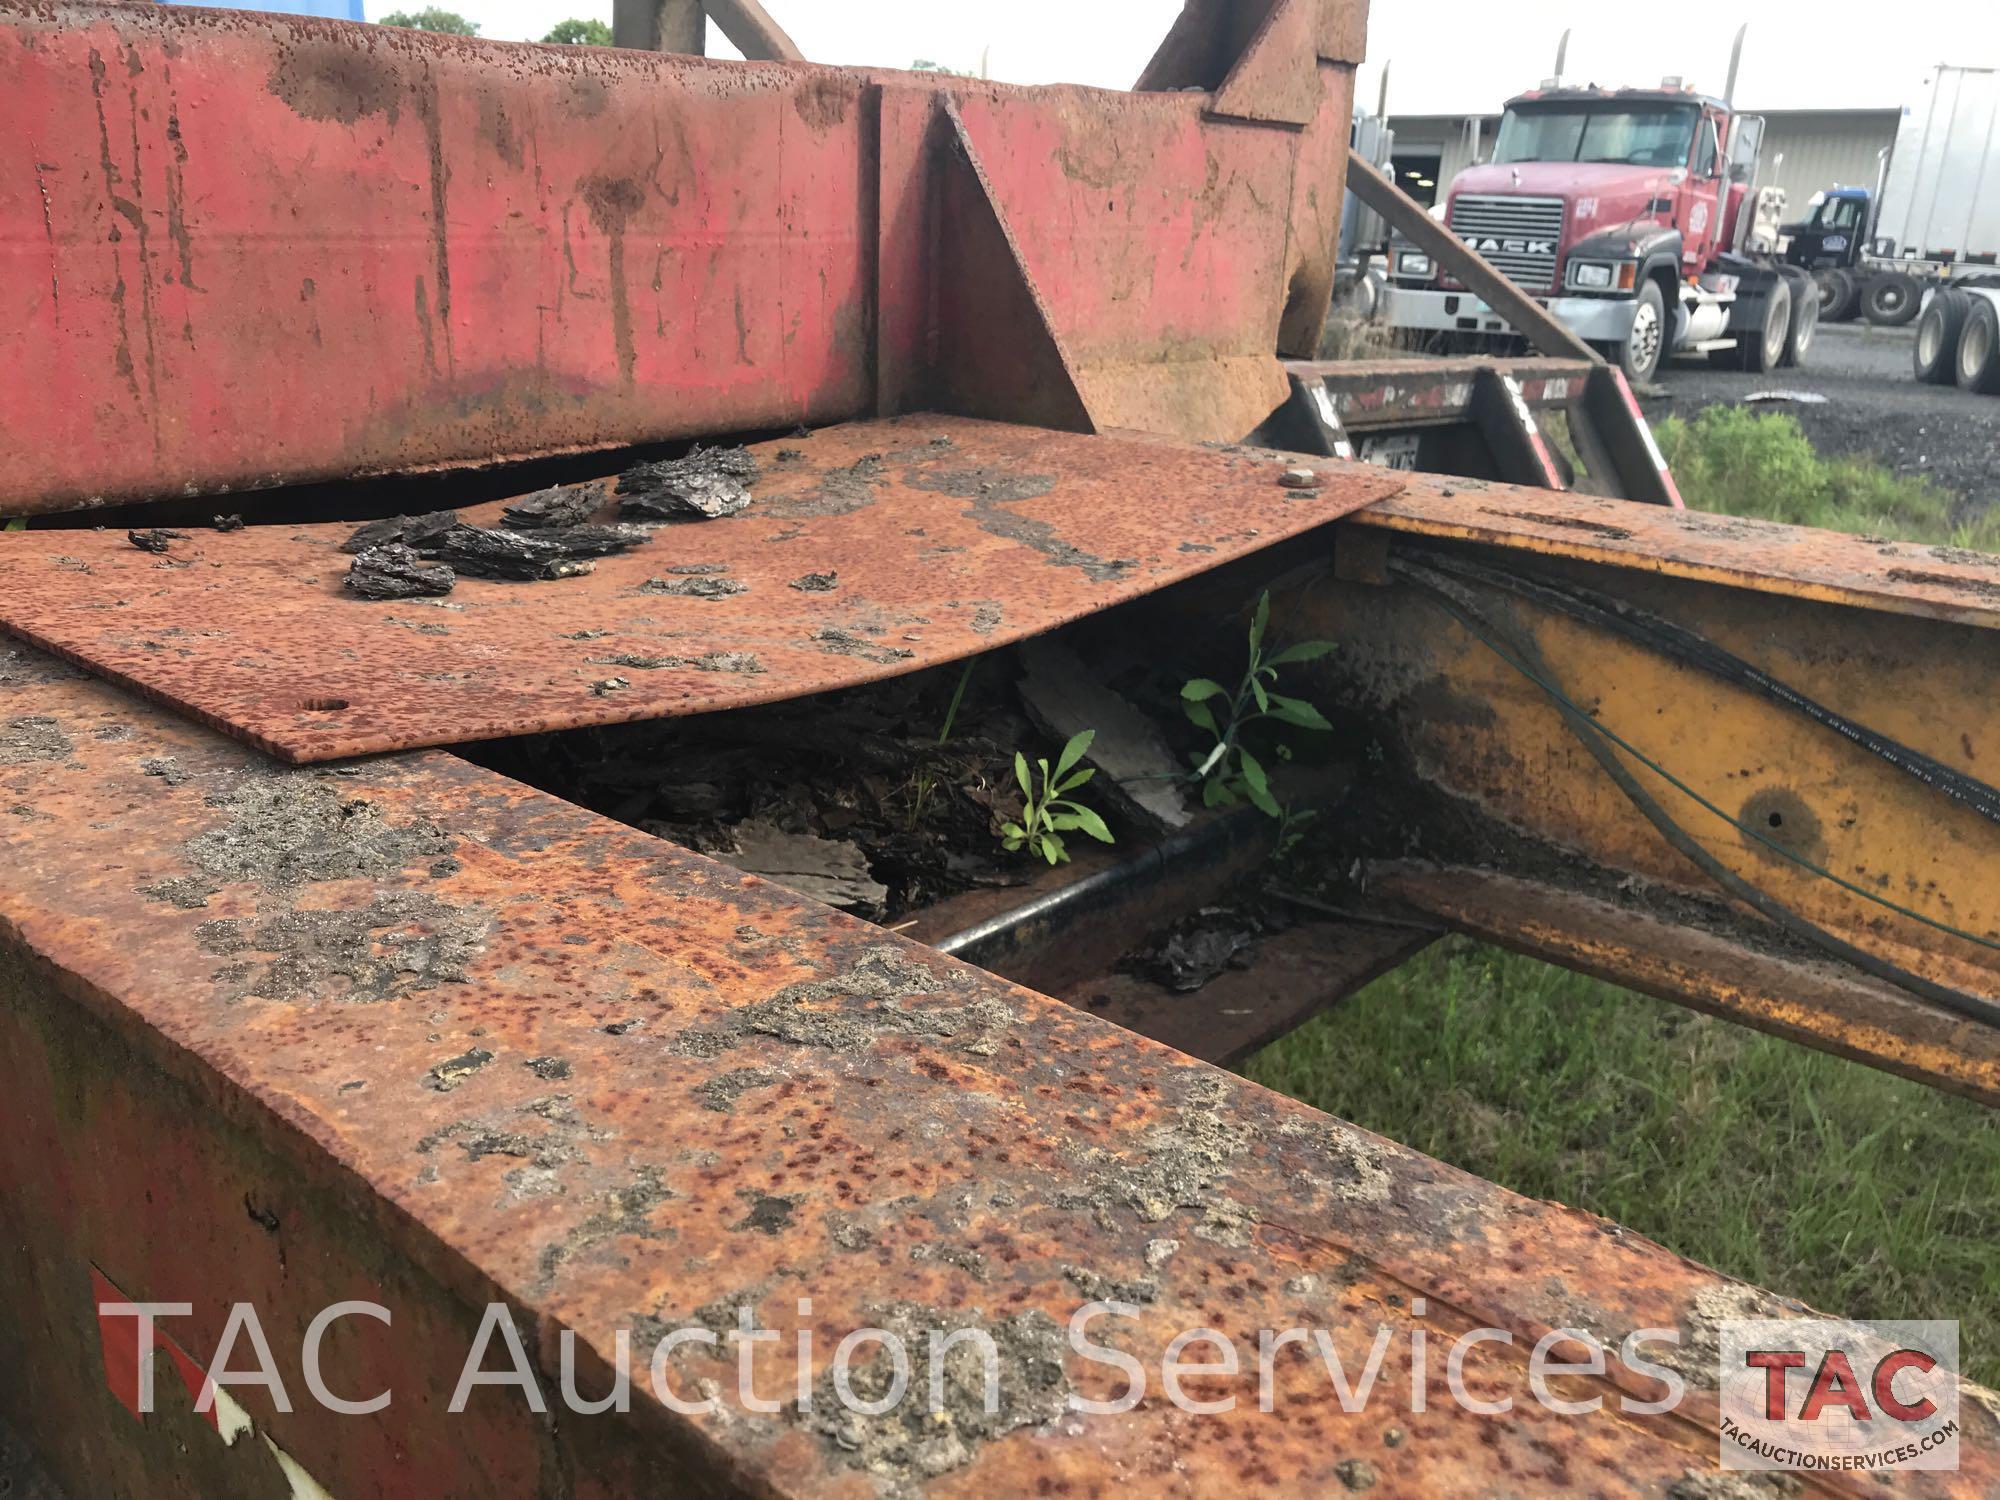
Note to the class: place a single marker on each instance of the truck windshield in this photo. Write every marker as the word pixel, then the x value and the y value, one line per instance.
pixel 1653 136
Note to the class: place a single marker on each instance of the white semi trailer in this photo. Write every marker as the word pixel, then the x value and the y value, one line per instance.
pixel 1935 220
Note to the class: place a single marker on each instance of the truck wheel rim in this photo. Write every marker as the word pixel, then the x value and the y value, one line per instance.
pixel 1974 348
pixel 1890 298
pixel 1929 336
pixel 1645 337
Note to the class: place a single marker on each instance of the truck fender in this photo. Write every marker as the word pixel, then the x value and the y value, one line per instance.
pixel 1649 244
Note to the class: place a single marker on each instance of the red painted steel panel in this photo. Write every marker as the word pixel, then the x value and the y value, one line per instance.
pixel 242 250
pixel 1151 233
pixel 943 537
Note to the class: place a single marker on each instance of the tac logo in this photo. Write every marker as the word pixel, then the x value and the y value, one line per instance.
pixel 1489 245
pixel 1827 1395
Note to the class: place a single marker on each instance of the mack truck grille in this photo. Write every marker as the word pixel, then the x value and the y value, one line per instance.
pixel 1519 235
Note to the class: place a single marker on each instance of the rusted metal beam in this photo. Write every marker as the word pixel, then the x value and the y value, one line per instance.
pixel 867 551
pixel 659 26
pixel 1726 969
pixel 1295 975
pixel 1531 320
pixel 750 27
pixel 1709 717
pixel 1795 562
pixel 410 1032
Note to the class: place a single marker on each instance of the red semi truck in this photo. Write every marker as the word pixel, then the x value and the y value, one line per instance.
pixel 1636 215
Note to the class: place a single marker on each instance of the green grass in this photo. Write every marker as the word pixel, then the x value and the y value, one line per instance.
pixel 1860 1193
pixel 1751 463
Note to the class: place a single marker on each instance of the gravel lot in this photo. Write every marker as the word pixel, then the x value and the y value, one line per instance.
pixel 1874 408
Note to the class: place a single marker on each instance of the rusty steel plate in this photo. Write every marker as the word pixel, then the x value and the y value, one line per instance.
pixel 869 550
pixel 1911 578
pixel 409 1031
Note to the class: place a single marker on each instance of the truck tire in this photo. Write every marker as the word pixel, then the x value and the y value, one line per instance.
pixel 1804 322
pixel 1978 361
pixel 1761 349
pixel 1839 294
pixel 1640 355
pixel 1938 333
pixel 1892 300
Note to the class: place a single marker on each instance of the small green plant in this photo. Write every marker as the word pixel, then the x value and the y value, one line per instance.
pixel 924 784
pixel 1228 772
pixel 1046 816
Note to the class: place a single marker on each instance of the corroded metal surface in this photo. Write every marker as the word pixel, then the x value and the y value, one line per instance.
pixel 453 1039
pixel 1794 811
pixel 941 538
pixel 245 250
pixel 1724 971
pixel 1943 583
pixel 1294 975
pixel 1402 392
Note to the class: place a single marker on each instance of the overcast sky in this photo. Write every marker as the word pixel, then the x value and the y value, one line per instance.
pixel 1447 55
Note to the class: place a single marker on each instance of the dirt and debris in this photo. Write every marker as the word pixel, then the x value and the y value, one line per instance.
pixel 721 1092
pixel 167 767
pixel 1197 948
pixel 831 870
pixel 769 1213
pixel 1356 1473
pixel 947 1349
pixel 844 643
pixel 415 532
pixel 712 661
pixel 817 583
pixel 227 523
pixel 851 1009
pixel 1174 1166
pixel 290 828
pixel 705 585
pixel 552 507
pixel 393 571
pixel 626 1211
pixel 453 1071
pixel 558 552
pixel 157 539
pixel 28 738
pixel 399 943
pixel 706 485
pixel 869 769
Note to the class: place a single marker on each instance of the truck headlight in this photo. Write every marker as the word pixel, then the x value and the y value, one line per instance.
pixel 1413 263
pixel 1594 275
